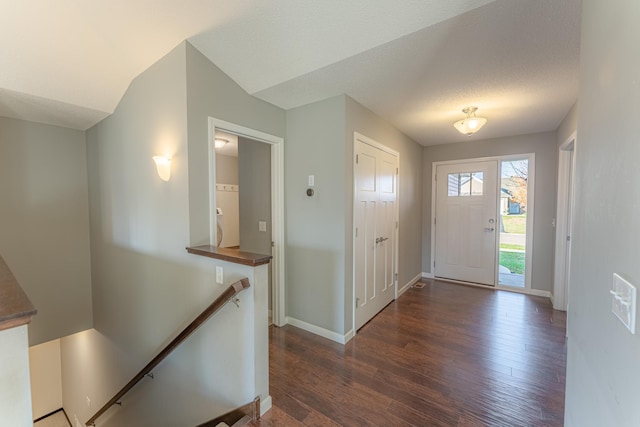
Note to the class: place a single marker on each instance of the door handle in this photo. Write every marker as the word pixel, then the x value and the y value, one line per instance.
pixel 381 239
pixel 489 229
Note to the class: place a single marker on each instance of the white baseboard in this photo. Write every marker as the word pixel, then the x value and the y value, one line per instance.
pixel 349 335
pixel 265 405
pixel 540 293
pixel 325 333
pixel 413 281
pixel 427 275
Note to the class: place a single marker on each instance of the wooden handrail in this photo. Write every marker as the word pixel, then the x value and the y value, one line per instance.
pixel 224 298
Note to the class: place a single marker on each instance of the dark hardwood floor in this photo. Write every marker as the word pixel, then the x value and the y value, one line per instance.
pixel 443 355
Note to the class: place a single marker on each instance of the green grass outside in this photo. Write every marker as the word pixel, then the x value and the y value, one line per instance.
pixel 516 224
pixel 514 261
pixel 511 246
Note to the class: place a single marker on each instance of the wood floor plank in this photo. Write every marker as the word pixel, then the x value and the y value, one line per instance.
pixel 443 355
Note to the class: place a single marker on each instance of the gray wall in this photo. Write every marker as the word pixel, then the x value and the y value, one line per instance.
pixel 319 240
pixel 146 288
pixel 226 169
pixel 365 122
pixel 545 148
pixel 211 93
pixel 603 370
pixel 254 160
pixel 316 226
pixel 568 126
pixel 44 223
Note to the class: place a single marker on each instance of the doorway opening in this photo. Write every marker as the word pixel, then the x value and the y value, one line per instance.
pixel 566 173
pixel 249 214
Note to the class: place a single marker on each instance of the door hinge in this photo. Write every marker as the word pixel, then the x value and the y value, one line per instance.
pixel 397 171
pixel 356 231
pixel 395 277
pixel 357 159
pixel 568 238
pixel 273 244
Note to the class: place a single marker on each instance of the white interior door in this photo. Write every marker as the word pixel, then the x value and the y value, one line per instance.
pixel 375 212
pixel 466 221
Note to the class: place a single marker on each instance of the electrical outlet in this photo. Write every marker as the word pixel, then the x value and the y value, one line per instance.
pixel 219 275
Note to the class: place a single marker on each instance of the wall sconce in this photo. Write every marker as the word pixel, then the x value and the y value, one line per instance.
pixel 163 166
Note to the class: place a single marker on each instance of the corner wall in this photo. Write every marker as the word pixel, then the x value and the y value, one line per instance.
pixel 146 287
pixel 319 228
pixel 545 148
pixel 315 226
pixel 603 370
pixel 44 223
pixel 568 125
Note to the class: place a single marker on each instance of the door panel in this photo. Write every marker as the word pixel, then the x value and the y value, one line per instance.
pixel 375 240
pixel 466 221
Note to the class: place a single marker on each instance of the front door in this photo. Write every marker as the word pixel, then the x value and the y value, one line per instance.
pixel 466 222
pixel 375 229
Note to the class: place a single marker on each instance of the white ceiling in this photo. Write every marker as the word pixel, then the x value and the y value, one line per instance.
pixel 415 62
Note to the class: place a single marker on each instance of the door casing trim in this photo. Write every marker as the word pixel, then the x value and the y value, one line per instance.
pixel 277 205
pixel 566 173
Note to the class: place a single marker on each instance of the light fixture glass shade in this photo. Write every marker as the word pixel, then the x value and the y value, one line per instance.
pixel 163 166
pixel 470 124
pixel 220 142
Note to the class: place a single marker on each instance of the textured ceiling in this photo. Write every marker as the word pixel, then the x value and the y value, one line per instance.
pixel 417 63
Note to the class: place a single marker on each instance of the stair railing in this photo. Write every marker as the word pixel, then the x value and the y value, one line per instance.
pixel 228 295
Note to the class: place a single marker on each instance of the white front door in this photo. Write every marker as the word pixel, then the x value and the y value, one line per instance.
pixel 466 221
pixel 375 229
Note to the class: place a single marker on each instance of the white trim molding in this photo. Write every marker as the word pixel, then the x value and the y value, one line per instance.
pixel 539 293
pixel 325 333
pixel 427 275
pixel 564 203
pixel 265 405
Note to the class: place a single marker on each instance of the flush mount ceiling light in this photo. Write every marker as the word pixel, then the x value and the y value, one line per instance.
pixel 470 124
pixel 221 142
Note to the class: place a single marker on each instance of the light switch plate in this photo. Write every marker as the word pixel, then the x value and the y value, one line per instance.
pixel 623 302
pixel 262 226
pixel 312 180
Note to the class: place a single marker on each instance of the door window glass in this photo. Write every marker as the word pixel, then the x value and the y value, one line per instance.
pixel 465 184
